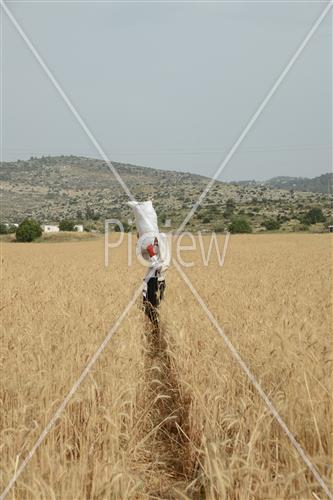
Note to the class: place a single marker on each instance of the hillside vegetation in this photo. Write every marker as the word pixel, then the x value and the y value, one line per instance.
pixel 83 189
pixel 320 184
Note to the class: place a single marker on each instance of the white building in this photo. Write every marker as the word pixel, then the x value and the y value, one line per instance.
pixel 167 223
pixel 78 228
pixel 48 228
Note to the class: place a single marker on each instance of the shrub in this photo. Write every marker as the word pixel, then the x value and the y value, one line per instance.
pixel 230 204
pixel 28 230
pixel 3 228
pixel 66 225
pixel 126 227
pixel 283 218
pixel 89 226
pixel 219 228
pixel 229 208
pixel 314 215
pixel 228 213
pixel 240 225
pixel 271 225
pixel 329 222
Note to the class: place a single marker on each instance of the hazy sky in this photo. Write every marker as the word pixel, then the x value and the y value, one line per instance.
pixel 171 85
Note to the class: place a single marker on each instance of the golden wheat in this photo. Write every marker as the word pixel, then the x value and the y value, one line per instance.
pixel 172 416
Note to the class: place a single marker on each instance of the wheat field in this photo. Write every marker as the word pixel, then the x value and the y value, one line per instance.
pixel 170 415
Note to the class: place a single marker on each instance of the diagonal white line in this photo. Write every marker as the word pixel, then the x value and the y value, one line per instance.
pixel 225 248
pixel 67 100
pixel 256 115
pixel 71 392
pixel 255 383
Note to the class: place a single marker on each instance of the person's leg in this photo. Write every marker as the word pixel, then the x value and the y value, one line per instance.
pixel 153 293
pixel 150 300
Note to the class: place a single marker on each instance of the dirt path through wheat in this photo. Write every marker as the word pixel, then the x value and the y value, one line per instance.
pixel 167 446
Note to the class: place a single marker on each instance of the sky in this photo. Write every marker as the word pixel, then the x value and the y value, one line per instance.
pixel 171 85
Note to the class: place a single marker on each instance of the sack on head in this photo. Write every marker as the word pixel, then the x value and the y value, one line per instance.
pixel 145 217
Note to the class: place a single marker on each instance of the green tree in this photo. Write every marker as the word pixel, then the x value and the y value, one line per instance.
pixel 89 212
pixel 28 230
pixel 66 225
pixel 3 228
pixel 271 225
pixel 240 225
pixel 314 215
pixel 230 204
pixel 229 208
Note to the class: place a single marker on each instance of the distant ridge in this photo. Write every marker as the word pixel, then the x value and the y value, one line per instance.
pixel 321 184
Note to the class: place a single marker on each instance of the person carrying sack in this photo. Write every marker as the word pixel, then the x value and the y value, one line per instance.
pixel 154 249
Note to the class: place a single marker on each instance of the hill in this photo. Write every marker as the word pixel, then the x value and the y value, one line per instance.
pixel 84 189
pixel 320 184
pixel 78 187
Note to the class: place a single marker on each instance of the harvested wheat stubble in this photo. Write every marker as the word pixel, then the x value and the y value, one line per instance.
pixel 211 436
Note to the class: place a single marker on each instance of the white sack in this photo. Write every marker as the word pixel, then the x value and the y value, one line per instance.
pixel 145 217
pixel 147 227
